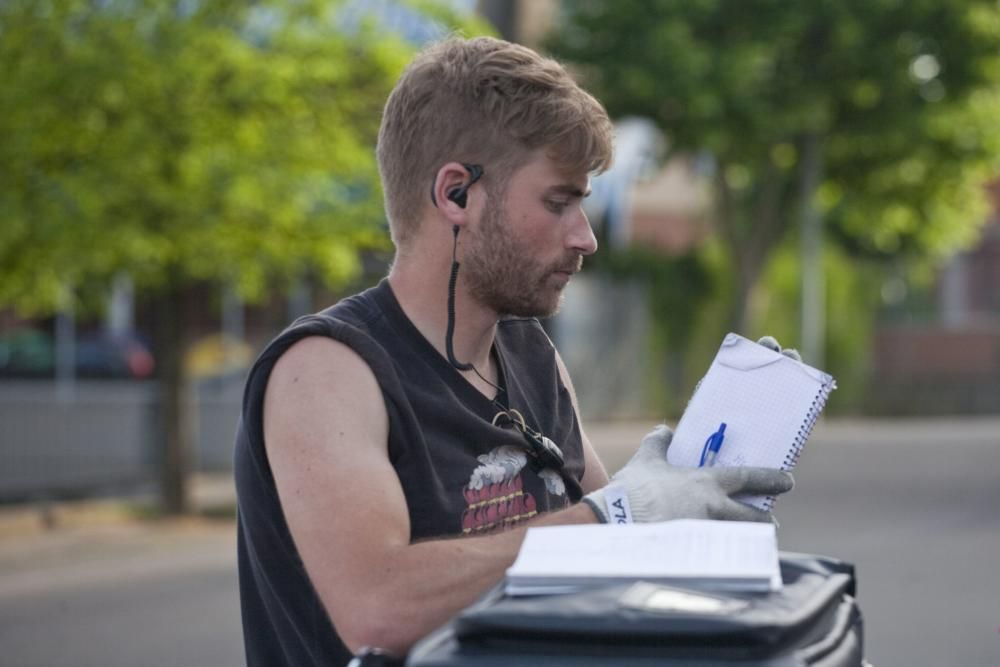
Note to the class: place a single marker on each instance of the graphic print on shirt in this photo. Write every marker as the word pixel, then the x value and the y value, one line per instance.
pixel 495 495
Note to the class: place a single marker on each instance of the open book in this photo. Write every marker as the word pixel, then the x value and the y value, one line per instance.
pixel 764 404
pixel 713 555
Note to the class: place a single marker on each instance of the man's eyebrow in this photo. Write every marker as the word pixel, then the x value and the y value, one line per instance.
pixel 569 189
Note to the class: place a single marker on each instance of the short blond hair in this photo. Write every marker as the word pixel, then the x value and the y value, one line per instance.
pixel 483 101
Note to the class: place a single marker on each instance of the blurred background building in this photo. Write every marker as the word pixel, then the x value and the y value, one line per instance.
pixel 937 352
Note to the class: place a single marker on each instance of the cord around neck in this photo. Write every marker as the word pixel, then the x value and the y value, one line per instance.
pixel 449 338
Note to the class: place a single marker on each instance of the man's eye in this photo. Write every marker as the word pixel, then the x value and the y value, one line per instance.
pixel 556 206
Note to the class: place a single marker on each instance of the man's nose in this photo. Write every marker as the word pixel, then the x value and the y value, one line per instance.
pixel 581 236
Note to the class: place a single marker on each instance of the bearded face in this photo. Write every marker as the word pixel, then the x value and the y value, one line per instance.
pixel 507 274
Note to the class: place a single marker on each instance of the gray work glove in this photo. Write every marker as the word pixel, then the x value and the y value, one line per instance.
pixel 654 490
pixel 772 344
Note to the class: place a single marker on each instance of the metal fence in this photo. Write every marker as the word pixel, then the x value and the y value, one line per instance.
pixel 63 440
pixel 59 440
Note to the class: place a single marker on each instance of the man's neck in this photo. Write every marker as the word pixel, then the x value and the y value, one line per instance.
pixel 421 287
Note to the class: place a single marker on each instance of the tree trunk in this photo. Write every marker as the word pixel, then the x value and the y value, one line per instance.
pixel 176 409
pixel 751 234
pixel 746 232
pixel 813 325
pixel 739 314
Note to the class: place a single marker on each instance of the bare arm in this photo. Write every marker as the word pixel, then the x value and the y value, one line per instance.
pixel 326 433
pixel 595 476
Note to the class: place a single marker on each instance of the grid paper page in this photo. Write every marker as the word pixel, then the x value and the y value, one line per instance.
pixel 768 402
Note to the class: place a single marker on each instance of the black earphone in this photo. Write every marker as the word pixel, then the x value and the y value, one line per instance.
pixel 460 195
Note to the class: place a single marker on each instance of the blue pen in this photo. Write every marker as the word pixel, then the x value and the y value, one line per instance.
pixel 712 446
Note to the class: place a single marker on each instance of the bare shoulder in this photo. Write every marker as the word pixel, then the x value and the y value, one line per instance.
pixel 319 391
pixel 318 358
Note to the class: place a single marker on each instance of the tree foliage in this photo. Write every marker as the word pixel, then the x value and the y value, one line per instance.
pixel 185 141
pixel 890 104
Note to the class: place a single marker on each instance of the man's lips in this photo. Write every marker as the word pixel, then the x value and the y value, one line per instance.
pixel 570 269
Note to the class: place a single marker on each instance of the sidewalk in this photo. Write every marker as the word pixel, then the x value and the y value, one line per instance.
pixel 213 499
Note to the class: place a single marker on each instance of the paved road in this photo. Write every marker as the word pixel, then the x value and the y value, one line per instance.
pixel 915 505
pixel 146 595
pixel 920 516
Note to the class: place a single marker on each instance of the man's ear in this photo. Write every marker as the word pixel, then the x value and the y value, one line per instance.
pixel 450 192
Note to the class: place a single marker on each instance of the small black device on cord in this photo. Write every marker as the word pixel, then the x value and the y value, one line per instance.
pixel 542 451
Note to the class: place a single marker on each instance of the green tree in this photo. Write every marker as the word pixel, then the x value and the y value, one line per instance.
pixel 880 112
pixel 186 143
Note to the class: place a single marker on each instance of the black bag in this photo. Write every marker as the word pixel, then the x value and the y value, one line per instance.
pixel 813 620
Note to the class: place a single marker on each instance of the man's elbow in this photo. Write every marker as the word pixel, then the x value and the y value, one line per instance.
pixel 377 625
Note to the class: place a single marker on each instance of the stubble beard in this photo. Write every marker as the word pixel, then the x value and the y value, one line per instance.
pixel 501 275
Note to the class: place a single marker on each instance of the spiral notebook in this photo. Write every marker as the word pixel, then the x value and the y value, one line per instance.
pixel 768 402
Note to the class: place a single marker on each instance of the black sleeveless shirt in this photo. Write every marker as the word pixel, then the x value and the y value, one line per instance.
pixel 460 474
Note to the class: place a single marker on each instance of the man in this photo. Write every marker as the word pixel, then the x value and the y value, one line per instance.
pixel 394 448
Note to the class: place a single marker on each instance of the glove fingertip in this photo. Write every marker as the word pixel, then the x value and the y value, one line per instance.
pixel 779 481
pixel 763 481
pixel 792 353
pixel 791 481
pixel 770 342
pixel 658 440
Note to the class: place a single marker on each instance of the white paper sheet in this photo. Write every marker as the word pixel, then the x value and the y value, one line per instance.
pixel 727 555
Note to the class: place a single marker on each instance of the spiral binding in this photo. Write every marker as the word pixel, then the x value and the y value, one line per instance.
pixel 805 429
